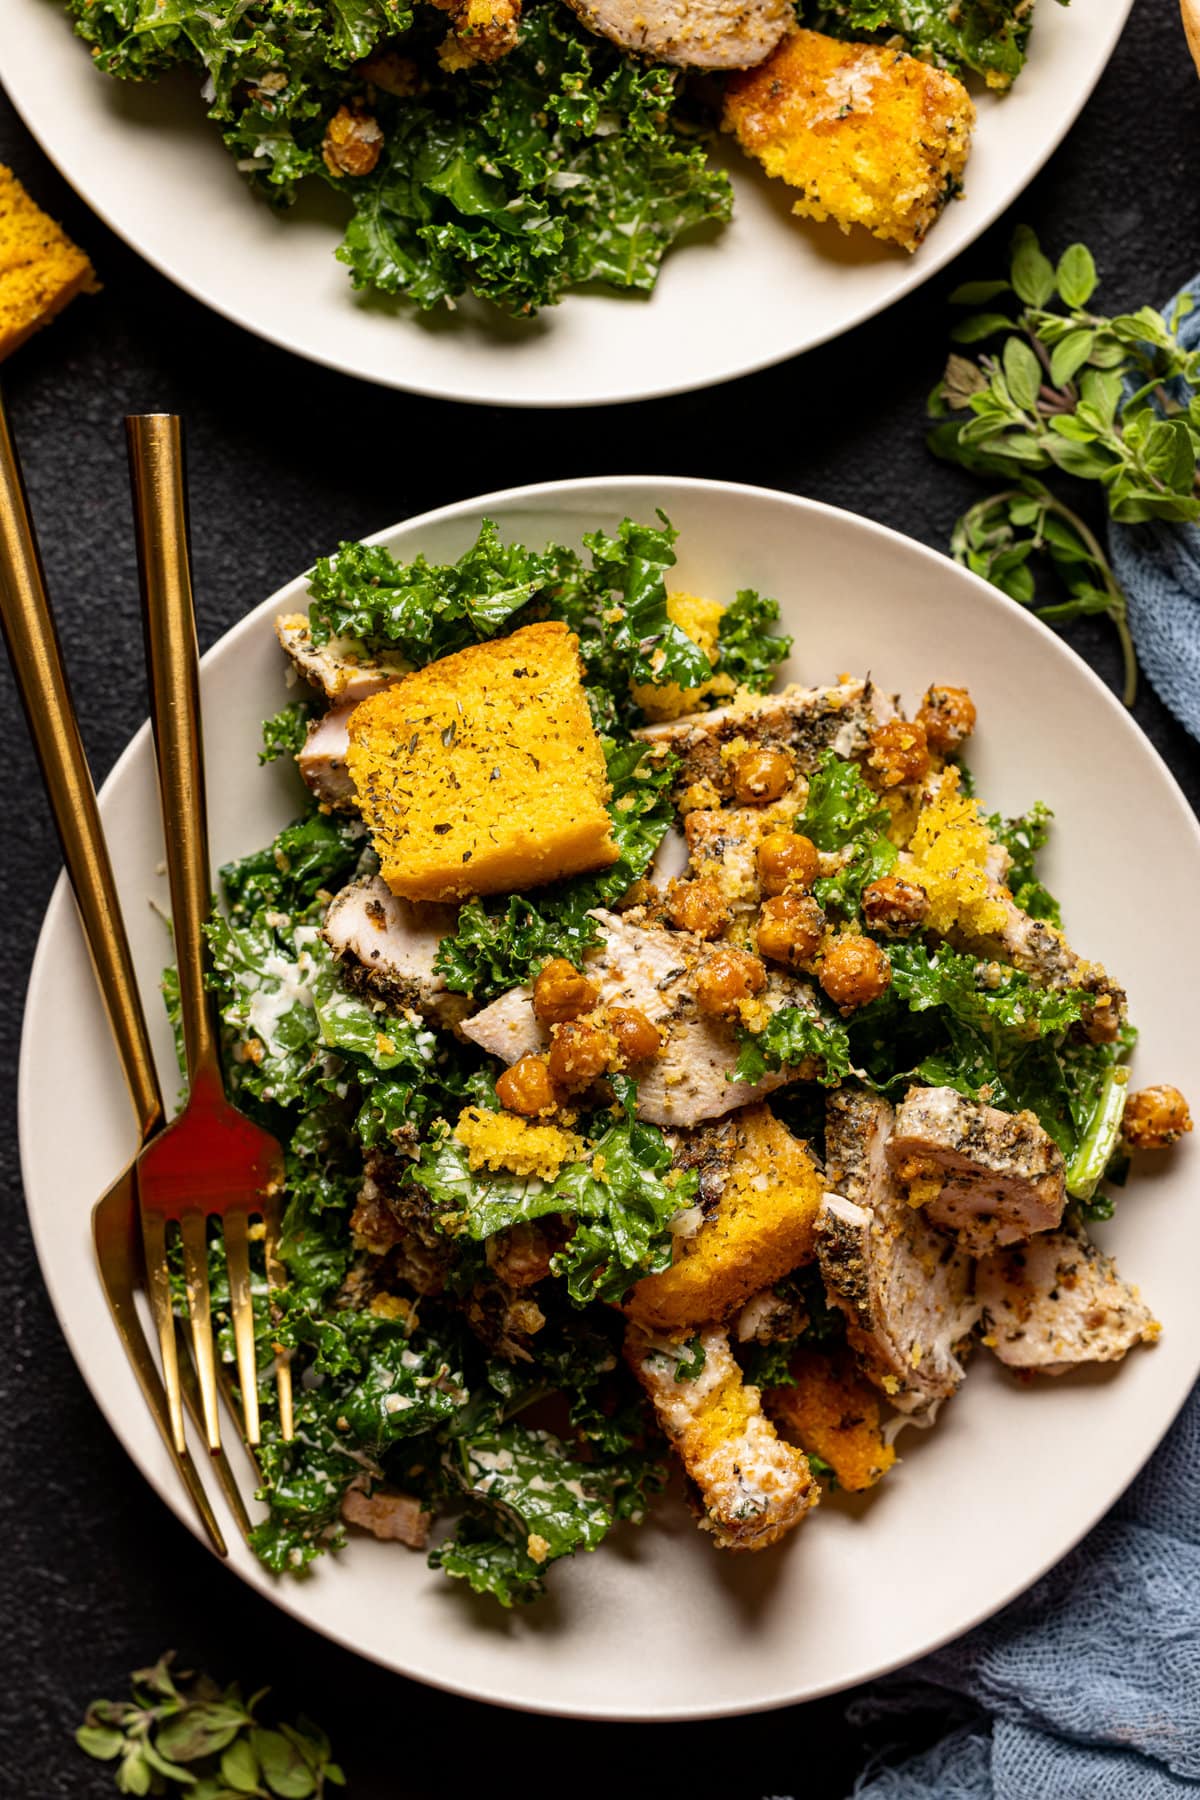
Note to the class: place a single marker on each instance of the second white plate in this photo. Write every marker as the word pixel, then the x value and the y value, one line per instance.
pixel 154 168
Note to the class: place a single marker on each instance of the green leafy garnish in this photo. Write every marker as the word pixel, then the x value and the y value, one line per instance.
pixel 1066 390
pixel 840 807
pixel 181 1733
pixel 792 1037
pixel 749 650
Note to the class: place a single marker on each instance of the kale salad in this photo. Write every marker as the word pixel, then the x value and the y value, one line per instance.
pixel 515 149
pixel 607 1165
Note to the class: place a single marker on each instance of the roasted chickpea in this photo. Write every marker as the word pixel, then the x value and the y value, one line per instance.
pixel 787 860
pixel 894 905
pixel 854 972
pixel 527 1088
pixel 898 755
pixel 1155 1118
pixel 948 715
pixel 762 775
pixel 725 978
pixel 352 143
pixel 791 928
pixel 697 906
pixel 637 1039
pixel 561 992
pixel 580 1052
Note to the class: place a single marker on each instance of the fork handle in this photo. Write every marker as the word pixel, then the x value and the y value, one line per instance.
pixel 33 648
pixel 169 622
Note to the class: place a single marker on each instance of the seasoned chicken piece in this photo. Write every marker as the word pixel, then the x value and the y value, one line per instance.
pixel 803 721
pixel 752 1487
pixel 322 759
pixel 694 34
pixel 1039 949
pixel 831 1411
pixel 387 948
pixel 770 1317
pixel 905 1289
pixel 869 136
pixel 762 1226
pixel 991 1177
pixel 650 968
pixel 1056 1302
pixel 341 669
pixel 399 1518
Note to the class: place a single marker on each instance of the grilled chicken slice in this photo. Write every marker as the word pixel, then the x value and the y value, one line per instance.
pixel 399 1518
pixel 650 968
pixel 322 761
pixel 991 1177
pixel 905 1289
pixel 387 948
pixel 1056 1302
pixel 693 34
pixel 804 721
pixel 341 669
pixel 751 1486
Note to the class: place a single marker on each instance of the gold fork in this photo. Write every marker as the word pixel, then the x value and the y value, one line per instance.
pixel 41 679
pixel 211 1161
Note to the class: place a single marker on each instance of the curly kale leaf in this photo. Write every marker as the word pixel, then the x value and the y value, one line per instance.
pixel 840 807
pixel 748 649
pixel 237 44
pixel 617 607
pixel 793 1036
pixel 284 733
pixel 621 1197
pixel 557 165
pixel 425 610
pixel 317 854
pixel 989 37
pixel 496 949
pixel 1023 837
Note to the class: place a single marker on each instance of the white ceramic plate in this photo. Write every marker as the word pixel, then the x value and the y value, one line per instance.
pixel 657 1624
pixel 768 286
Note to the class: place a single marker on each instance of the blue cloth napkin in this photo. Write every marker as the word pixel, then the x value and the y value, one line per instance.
pixel 1088 1687
pixel 1159 568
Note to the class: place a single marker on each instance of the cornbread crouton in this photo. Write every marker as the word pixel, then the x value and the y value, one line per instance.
pixel 481 773
pixel 764 1225
pixel 701 619
pixel 870 136
pixel 752 1487
pixel 41 270
pixel 832 1412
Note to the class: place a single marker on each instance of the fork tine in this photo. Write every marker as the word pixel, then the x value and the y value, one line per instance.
pixel 193 1230
pixel 237 1255
pixel 154 1239
pixel 221 1465
pixel 277 1278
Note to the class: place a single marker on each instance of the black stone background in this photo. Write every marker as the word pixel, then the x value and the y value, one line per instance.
pixel 95 1575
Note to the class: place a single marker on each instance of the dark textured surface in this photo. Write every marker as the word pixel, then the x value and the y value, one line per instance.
pixel 285 458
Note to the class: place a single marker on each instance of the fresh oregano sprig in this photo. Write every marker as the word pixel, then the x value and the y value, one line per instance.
pixel 1068 391
pixel 184 1734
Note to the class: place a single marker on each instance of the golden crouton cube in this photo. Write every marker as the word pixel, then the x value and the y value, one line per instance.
pixel 40 268
pixel 764 1225
pixel 752 1487
pixel 833 1412
pixel 869 135
pixel 481 773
